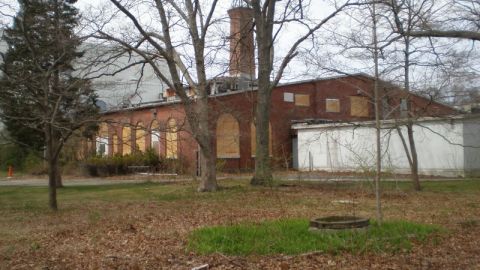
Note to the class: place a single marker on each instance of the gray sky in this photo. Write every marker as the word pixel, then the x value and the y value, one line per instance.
pixel 324 57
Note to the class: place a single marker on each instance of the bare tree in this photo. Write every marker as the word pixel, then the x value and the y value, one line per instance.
pixel 459 19
pixel 270 19
pixel 378 124
pixel 415 18
pixel 411 20
pixel 196 19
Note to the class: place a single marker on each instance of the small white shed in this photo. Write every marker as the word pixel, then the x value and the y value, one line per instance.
pixel 445 146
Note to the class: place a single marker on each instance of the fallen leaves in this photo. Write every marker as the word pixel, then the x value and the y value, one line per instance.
pixel 153 234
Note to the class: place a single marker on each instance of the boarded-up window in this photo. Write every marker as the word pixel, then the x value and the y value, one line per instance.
pixel 332 105
pixel 140 135
pixel 115 148
pixel 288 97
pixel 126 140
pixel 228 137
pixel 103 130
pixel 171 139
pixel 253 138
pixel 155 137
pixel 302 100
pixel 359 106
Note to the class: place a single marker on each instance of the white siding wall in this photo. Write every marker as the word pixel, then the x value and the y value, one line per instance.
pixel 122 87
pixel 440 148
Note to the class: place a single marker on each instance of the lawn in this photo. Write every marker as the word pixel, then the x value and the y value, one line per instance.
pixel 153 225
pixel 292 237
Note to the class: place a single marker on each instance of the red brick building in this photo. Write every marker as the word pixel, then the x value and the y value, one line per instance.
pixel 162 125
pixel 343 98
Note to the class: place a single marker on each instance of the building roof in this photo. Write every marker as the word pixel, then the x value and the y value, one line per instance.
pixel 153 104
pixel 387 124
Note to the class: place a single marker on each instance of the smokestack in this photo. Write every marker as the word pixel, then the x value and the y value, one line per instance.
pixel 242 51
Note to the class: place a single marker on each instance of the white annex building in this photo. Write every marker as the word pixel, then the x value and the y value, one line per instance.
pixel 445 147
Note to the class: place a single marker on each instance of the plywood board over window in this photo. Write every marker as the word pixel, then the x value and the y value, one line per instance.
pixel 358 106
pixel 288 97
pixel 103 130
pixel 171 138
pixel 126 140
pixel 302 100
pixel 228 137
pixel 115 144
pixel 140 137
pixel 332 105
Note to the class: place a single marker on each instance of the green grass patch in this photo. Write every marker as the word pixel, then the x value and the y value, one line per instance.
pixel 35 199
pixel 454 186
pixel 469 186
pixel 292 237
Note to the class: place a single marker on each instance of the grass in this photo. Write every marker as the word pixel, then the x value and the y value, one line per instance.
pixel 444 186
pixel 36 198
pixel 292 237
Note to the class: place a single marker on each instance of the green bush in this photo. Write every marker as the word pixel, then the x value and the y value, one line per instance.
pixel 33 164
pixel 177 165
pixel 118 164
pixel 22 159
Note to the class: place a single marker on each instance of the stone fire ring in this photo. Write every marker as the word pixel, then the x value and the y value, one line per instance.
pixel 339 223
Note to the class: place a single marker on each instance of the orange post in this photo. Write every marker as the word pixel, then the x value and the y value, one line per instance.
pixel 10 171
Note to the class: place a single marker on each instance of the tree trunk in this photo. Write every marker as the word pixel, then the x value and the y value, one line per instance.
pixel 414 163
pixel 263 171
pixel 209 171
pixel 204 138
pixel 52 187
pixel 411 139
pixel 264 35
pixel 378 171
pixel 52 162
pixel 58 178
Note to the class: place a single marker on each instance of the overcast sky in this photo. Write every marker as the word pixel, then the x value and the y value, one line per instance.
pixel 325 57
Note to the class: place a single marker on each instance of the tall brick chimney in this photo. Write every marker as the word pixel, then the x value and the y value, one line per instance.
pixel 242 50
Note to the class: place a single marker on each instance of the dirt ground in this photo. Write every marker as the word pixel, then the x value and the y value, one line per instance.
pixel 146 226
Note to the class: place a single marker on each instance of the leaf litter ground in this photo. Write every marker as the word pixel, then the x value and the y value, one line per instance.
pixel 146 226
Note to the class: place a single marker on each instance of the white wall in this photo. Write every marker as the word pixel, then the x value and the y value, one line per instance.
pixel 122 87
pixel 346 147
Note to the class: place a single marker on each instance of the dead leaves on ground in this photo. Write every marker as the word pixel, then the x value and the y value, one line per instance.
pixel 153 234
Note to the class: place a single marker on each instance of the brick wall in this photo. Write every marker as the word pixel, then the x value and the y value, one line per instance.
pixel 289 102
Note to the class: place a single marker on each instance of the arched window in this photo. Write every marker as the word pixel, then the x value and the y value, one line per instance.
pixel 115 144
pixel 253 138
pixel 140 137
pixel 155 137
pixel 171 137
pixel 126 140
pixel 102 140
pixel 228 137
